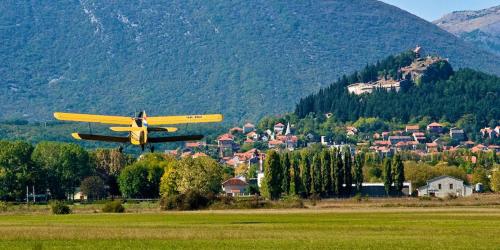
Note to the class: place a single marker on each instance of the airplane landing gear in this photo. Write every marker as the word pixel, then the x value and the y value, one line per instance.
pixel 152 148
pixel 142 147
pixel 120 149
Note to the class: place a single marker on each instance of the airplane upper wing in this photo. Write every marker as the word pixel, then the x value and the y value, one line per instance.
pixel 123 120
pixel 165 120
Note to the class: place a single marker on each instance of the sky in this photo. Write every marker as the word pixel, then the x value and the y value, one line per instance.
pixel 431 10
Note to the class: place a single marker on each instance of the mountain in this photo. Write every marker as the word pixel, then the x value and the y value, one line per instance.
pixel 409 88
pixel 481 27
pixel 241 58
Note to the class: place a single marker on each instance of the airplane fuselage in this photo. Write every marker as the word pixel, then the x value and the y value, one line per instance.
pixel 139 137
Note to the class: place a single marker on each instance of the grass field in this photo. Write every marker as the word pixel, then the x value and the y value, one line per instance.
pixel 361 228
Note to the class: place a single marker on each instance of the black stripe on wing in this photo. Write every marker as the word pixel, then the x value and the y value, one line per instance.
pixel 175 138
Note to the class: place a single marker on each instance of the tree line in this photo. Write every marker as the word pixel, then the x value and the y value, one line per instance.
pixel 323 173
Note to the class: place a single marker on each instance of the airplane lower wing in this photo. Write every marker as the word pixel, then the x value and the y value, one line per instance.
pixel 123 120
pixel 90 137
pixel 175 138
pixel 165 120
pixel 162 129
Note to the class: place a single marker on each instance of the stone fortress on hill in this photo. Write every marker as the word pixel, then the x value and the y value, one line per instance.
pixel 412 73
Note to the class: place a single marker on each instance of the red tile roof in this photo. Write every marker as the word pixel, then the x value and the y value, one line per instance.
pixel 435 124
pixel 234 182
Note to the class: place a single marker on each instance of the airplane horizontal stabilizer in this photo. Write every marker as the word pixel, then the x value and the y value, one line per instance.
pixel 175 138
pixel 90 137
pixel 126 129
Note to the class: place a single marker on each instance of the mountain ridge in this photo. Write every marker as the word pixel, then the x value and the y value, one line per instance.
pixel 243 59
pixel 481 27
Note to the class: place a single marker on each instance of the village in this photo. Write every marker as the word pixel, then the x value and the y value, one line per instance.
pixel 236 150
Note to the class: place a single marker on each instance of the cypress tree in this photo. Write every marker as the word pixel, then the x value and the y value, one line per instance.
pixel 399 172
pixel 272 174
pixel 305 174
pixel 333 167
pixel 347 171
pixel 339 173
pixel 358 171
pixel 316 182
pixel 326 172
pixel 295 174
pixel 285 176
pixel 387 176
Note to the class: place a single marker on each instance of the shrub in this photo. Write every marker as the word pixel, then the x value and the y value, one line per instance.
pixel 113 207
pixel 191 200
pixel 3 206
pixel 58 207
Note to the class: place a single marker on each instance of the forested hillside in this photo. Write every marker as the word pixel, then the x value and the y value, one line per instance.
pixel 441 94
pixel 241 58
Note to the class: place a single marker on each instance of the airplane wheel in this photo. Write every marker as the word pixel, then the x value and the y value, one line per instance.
pixel 152 148
pixel 120 149
pixel 142 147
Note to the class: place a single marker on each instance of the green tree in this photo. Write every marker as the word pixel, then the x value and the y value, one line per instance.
pixel 305 173
pixel 495 180
pixel 387 176
pixel 64 165
pixel 338 172
pixel 285 176
pixel 358 171
pixel 17 170
pixel 317 182
pixel 202 175
pixel 108 164
pixel 480 176
pixel 296 182
pixel 272 174
pixel 142 178
pixel 347 171
pixel 399 173
pixel 93 188
pixel 326 172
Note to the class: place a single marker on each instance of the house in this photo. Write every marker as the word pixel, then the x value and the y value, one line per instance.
pixel 195 145
pixel 457 134
pixel 278 128
pixel 419 137
pixel 412 129
pixel 234 187
pixel 235 130
pixel 79 195
pixel 478 148
pixel 431 147
pixel 385 135
pixel 444 186
pixel 248 127
pixel 435 128
pixel 399 138
pixel 350 130
pixel 253 136
pixel 199 154
pixel 489 132
pixel 226 145
pixel 406 145
pixel 377 136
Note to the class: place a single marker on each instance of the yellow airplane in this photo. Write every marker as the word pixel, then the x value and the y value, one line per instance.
pixel 138 127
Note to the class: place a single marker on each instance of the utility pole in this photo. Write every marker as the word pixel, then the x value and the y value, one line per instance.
pixel 27 195
pixel 34 198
